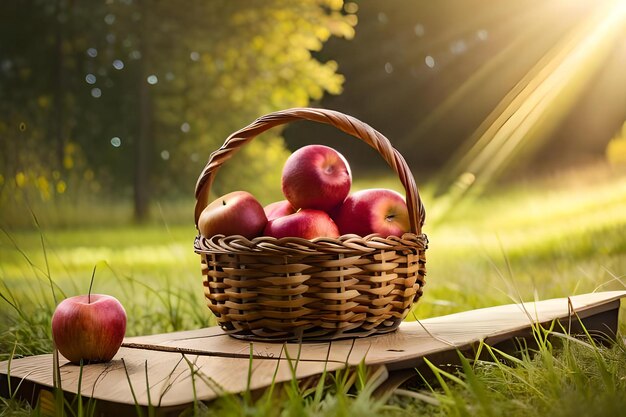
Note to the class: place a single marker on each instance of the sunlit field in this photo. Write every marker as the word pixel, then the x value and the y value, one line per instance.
pixel 542 238
pixel 537 239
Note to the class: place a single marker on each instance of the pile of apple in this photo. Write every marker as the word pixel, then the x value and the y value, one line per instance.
pixel 316 183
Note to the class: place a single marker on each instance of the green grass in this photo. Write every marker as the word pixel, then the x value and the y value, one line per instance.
pixel 541 239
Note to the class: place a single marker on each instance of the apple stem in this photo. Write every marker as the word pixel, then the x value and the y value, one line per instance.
pixel 93 275
pixel 223 202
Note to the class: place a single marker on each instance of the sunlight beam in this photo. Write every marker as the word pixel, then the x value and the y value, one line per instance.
pixel 539 106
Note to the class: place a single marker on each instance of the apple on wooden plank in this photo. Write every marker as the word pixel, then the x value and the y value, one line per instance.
pixel 89 327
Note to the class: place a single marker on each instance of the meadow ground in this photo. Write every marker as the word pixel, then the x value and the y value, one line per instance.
pixel 537 239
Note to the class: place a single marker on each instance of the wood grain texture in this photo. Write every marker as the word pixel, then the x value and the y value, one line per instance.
pixel 220 363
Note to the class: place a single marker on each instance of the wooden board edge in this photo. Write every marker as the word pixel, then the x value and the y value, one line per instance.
pixel 600 321
pixel 600 318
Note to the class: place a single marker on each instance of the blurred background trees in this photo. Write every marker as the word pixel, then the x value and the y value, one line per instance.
pixel 133 95
pixel 441 78
pixel 124 99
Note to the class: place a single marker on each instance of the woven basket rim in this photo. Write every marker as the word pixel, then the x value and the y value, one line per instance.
pixel 345 244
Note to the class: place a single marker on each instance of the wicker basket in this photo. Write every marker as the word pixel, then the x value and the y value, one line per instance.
pixel 293 289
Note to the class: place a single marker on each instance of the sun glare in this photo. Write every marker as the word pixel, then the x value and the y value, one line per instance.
pixel 532 110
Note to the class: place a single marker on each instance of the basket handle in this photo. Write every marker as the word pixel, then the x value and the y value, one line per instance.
pixel 343 122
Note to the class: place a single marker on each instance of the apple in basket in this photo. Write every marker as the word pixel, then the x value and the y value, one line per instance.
pixel 376 210
pixel 89 327
pixel 316 177
pixel 236 213
pixel 278 209
pixel 305 223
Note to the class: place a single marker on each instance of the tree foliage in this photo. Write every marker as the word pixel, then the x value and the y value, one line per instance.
pixel 133 95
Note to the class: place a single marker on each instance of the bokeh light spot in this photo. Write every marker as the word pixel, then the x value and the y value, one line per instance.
pixel 118 64
pixel 458 47
pixel 61 186
pixel 96 92
pixel 20 179
pixel 419 30
pixel 351 7
pixel 429 61
pixel 6 65
pixel 116 142
pixel 466 179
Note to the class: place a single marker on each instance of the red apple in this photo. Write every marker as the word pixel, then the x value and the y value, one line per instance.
pixel 236 213
pixel 306 223
pixel 89 327
pixel 278 209
pixel 316 177
pixel 376 210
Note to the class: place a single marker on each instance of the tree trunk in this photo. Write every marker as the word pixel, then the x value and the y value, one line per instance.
pixel 141 184
pixel 58 83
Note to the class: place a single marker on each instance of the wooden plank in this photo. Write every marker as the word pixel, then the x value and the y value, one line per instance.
pixel 218 363
pixel 411 340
